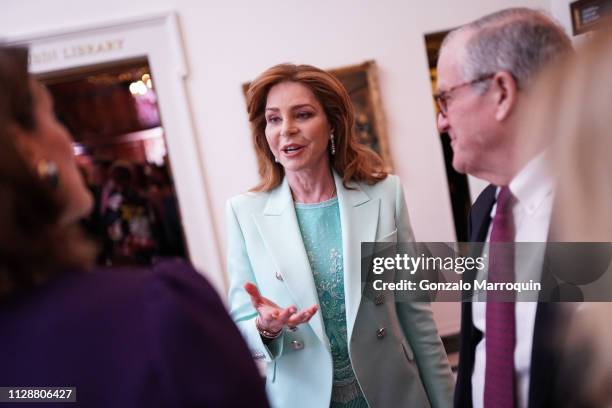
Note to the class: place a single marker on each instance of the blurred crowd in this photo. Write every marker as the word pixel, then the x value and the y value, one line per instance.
pixel 135 216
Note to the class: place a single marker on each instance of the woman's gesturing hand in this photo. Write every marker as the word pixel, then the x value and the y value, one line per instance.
pixel 274 318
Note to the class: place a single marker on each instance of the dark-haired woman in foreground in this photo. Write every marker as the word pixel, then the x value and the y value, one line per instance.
pixel 124 338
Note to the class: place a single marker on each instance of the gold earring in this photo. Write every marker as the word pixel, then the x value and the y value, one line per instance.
pixel 47 171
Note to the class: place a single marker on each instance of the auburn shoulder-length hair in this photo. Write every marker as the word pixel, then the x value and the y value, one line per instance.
pixel 352 161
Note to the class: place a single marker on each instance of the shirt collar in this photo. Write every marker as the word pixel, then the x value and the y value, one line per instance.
pixel 533 184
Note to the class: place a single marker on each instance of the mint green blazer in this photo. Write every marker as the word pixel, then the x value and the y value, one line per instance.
pixel 406 366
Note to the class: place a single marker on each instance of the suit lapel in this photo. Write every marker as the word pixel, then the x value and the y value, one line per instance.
pixel 359 221
pixel 480 214
pixel 478 226
pixel 280 232
pixel 544 356
pixel 549 325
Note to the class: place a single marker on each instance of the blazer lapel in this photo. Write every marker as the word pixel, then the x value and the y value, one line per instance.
pixel 281 235
pixel 480 214
pixel 359 221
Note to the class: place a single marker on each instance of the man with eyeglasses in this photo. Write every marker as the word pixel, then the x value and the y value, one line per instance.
pixel 484 71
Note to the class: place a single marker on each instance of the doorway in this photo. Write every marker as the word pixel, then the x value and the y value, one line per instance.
pixel 111 111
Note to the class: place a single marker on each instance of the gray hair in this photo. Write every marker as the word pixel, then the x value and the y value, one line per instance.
pixel 520 41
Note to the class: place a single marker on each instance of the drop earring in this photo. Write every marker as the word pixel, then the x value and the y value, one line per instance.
pixel 332 145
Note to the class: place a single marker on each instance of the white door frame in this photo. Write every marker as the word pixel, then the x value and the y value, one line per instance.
pixel 156 37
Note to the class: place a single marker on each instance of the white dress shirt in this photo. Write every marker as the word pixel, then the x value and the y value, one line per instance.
pixel 533 189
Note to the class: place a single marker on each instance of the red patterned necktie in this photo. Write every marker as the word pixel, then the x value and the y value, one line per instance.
pixel 500 329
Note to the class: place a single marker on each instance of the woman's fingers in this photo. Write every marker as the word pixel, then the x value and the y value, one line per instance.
pixel 253 292
pixel 302 316
pixel 275 319
pixel 310 311
pixel 285 314
pixel 256 298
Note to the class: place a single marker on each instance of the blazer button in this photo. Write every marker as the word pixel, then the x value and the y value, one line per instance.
pixel 297 345
pixel 380 333
pixel 379 299
pixel 279 276
pixel 258 355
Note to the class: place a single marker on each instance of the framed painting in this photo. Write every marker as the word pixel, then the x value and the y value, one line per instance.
pixel 587 15
pixel 361 83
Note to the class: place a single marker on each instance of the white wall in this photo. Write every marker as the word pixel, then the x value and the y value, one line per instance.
pixel 560 10
pixel 228 43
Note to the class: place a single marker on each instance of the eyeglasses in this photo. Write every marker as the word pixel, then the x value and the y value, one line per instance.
pixel 443 97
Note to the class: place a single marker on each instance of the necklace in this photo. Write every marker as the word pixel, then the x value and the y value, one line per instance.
pixel 333 193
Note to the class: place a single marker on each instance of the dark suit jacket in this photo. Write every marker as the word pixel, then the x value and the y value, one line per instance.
pixel 544 361
pixel 128 338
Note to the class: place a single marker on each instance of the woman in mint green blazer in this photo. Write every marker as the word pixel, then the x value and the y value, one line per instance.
pixel 294 258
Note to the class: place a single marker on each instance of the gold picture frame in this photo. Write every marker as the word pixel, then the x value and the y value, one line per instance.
pixel 361 83
pixel 588 15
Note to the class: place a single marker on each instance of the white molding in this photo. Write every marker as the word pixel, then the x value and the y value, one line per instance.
pixel 157 37
pixel 87 29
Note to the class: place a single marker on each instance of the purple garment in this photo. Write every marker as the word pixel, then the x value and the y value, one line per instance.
pixel 157 337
